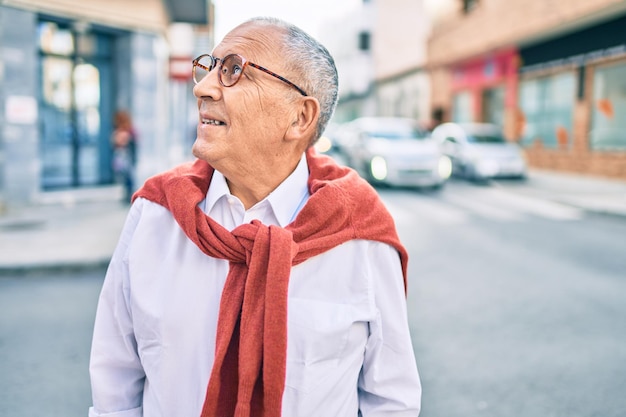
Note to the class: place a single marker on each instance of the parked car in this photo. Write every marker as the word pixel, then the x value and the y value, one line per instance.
pixel 393 151
pixel 479 151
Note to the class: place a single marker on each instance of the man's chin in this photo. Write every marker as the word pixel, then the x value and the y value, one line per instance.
pixel 198 150
pixel 202 150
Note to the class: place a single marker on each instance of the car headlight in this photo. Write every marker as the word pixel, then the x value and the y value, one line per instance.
pixel 378 168
pixel 444 167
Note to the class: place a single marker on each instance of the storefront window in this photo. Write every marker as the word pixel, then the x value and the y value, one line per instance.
pixel 57 82
pixel 75 105
pixel 55 40
pixel 608 123
pixel 548 106
pixel 462 107
pixel 493 106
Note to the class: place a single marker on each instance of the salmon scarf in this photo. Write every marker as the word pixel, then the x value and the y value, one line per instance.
pixel 248 375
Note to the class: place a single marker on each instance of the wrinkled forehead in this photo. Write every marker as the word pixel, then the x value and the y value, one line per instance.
pixel 255 42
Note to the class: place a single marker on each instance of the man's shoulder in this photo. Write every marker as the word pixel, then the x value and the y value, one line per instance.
pixel 143 207
pixel 181 183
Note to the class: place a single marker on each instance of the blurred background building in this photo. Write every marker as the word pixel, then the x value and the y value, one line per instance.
pixel 380 52
pixel 67 66
pixel 552 73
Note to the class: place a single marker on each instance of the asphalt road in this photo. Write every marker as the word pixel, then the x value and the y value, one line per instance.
pixel 517 305
pixel 46 322
pixel 517 308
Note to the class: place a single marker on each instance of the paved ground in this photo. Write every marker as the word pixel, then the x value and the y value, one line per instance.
pixel 66 230
pixel 78 229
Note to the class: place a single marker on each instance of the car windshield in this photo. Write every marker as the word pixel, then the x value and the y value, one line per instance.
pixel 397 132
pixel 485 138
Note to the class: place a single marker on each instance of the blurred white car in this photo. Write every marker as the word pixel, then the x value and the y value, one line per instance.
pixel 479 151
pixel 393 151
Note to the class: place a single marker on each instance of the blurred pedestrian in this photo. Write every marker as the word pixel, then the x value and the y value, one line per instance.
pixel 261 279
pixel 124 142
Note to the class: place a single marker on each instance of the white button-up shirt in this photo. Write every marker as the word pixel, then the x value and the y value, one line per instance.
pixel 348 344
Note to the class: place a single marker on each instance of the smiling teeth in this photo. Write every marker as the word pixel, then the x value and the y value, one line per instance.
pixel 211 122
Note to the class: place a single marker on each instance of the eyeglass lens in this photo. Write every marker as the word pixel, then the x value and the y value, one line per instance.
pixel 230 68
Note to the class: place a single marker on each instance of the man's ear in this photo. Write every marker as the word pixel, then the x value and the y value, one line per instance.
pixel 306 118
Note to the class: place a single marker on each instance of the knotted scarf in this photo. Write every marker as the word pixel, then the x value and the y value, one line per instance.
pixel 248 375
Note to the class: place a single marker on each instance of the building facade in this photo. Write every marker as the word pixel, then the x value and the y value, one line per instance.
pixel 553 74
pixel 349 40
pixel 66 68
pixel 401 83
pixel 380 52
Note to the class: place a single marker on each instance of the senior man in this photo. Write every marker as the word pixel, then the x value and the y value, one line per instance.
pixel 261 279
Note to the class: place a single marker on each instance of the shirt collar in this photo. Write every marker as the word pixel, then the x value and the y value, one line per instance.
pixel 286 200
pixel 218 188
pixel 289 197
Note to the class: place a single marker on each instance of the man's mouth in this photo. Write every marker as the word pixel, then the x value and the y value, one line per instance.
pixel 212 122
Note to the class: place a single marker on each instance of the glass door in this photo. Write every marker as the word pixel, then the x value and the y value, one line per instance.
pixel 57 144
pixel 86 84
pixel 75 149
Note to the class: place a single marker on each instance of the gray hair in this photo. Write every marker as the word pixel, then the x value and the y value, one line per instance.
pixel 309 58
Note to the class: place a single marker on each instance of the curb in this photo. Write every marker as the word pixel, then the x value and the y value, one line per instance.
pixel 52 268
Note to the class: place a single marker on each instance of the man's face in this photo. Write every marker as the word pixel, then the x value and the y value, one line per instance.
pixel 242 126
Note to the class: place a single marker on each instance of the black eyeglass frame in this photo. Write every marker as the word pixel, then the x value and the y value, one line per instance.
pixel 244 63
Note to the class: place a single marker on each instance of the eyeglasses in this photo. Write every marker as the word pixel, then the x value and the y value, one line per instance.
pixel 230 69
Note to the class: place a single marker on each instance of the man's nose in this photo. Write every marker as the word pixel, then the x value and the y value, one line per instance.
pixel 209 85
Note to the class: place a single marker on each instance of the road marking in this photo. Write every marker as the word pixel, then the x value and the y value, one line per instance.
pixel 476 203
pixel 411 208
pixel 536 206
pixel 456 205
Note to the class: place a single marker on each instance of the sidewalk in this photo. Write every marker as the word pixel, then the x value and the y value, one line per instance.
pixel 80 228
pixel 65 230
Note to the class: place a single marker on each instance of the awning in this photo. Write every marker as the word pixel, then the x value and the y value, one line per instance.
pixel 188 11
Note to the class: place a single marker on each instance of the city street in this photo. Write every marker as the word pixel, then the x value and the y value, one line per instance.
pixel 517 307
pixel 45 335
pixel 516 296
